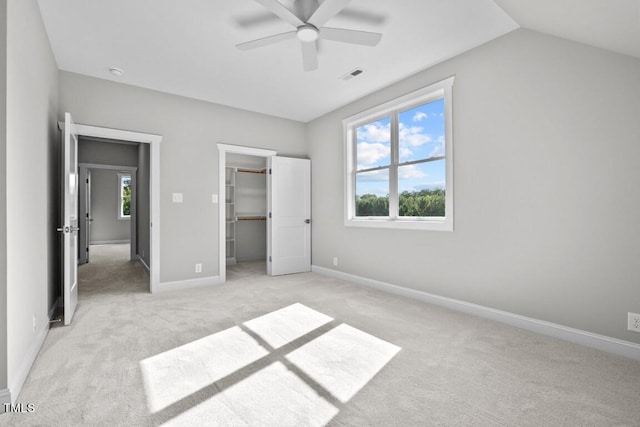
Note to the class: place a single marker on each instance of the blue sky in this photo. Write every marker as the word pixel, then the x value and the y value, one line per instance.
pixel 421 136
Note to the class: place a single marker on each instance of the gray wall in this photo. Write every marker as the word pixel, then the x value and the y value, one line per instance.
pixel 188 157
pixel 31 179
pixel 104 152
pixel 3 200
pixel 143 205
pixel 106 227
pixel 545 172
pixel 251 198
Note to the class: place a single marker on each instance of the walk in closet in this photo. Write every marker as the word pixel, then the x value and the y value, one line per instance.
pixel 246 208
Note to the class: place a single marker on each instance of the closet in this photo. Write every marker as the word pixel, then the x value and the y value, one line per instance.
pixel 245 208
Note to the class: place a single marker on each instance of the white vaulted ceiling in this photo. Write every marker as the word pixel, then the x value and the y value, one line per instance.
pixel 187 47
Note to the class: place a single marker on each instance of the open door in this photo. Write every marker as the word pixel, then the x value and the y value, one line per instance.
pixel 289 222
pixel 84 213
pixel 70 217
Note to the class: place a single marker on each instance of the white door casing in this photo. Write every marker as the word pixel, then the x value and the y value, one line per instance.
pixel 70 216
pixel 289 224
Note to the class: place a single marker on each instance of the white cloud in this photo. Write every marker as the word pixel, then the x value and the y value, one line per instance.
pixel 371 152
pixel 374 132
pixel 413 136
pixel 438 149
pixel 419 116
pixel 410 172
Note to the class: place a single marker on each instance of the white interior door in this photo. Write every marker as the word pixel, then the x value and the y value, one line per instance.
pixel 70 216
pixel 289 225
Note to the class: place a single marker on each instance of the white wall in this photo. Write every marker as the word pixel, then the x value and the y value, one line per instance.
pixel 31 173
pixel 547 136
pixel 188 157
pixel 4 397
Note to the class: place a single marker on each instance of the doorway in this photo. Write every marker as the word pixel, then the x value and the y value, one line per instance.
pixel 246 214
pixel 108 209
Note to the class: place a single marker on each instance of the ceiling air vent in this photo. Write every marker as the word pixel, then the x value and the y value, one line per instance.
pixel 353 73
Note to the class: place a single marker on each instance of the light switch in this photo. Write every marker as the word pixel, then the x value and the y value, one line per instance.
pixel 214 198
pixel 177 197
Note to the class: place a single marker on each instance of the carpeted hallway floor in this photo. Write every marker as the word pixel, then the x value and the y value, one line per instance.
pixel 305 350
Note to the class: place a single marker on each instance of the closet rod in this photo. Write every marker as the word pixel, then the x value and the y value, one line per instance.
pixel 259 171
pixel 252 218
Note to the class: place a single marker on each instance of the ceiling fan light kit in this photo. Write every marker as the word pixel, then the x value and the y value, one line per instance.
pixel 307 33
pixel 309 30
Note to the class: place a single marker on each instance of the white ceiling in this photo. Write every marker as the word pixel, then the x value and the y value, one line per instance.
pixel 187 47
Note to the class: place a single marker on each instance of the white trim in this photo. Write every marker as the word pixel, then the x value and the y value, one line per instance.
pixel 154 183
pixel 442 89
pixel 223 149
pixel 110 242
pixel 5 397
pixel 188 284
pixel 577 336
pixel 143 263
pixel 17 381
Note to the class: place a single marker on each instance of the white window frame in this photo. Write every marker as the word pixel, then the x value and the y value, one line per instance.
pixel 440 90
pixel 121 176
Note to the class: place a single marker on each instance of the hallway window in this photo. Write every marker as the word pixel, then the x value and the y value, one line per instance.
pixel 124 210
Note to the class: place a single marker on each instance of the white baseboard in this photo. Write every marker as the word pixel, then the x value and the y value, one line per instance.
pixel 110 242
pixel 16 383
pixel 144 264
pixel 577 336
pixel 187 284
pixel 5 397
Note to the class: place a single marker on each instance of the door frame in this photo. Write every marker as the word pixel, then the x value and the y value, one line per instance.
pixel 154 183
pixel 223 149
pixel 133 225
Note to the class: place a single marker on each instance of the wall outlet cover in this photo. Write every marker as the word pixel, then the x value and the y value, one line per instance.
pixel 634 322
pixel 177 197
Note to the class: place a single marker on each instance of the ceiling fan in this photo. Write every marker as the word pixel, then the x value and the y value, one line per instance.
pixel 308 19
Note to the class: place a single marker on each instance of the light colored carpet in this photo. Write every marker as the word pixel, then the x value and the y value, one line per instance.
pixel 305 350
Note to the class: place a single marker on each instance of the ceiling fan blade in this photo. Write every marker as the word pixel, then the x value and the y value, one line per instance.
pixel 327 10
pixel 278 9
pixel 309 56
pixel 364 38
pixel 266 40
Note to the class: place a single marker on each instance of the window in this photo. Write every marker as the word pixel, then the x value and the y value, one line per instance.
pixel 399 162
pixel 124 197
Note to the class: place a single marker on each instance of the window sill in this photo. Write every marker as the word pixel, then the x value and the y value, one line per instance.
pixel 428 224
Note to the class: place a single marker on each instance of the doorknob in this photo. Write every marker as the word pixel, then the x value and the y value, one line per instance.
pixel 307 221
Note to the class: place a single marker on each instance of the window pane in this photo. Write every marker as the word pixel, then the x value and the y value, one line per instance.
pixel 372 193
pixel 421 132
pixel 421 189
pixel 373 144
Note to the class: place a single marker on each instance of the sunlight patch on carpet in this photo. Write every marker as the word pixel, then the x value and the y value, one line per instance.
pixel 343 360
pixel 273 396
pixel 177 373
pixel 283 326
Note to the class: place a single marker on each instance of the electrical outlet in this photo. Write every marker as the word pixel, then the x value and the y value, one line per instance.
pixel 634 322
pixel 198 268
pixel 335 261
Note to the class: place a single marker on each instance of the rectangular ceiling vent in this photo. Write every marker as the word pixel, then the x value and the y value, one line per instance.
pixel 353 73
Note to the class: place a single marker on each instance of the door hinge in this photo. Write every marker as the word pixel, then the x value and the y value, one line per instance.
pixel 269 171
pixel 269 258
pixel 87 180
pixel 269 214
